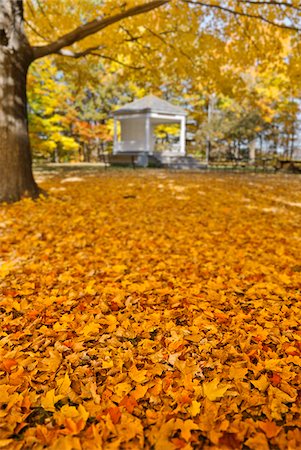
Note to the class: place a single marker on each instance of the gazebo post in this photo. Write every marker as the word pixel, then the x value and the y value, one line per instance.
pixel 115 150
pixel 147 133
pixel 183 136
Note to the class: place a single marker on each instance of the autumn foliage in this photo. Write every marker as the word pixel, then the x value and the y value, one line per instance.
pixel 152 310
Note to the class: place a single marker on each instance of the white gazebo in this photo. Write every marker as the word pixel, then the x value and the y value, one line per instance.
pixel 137 125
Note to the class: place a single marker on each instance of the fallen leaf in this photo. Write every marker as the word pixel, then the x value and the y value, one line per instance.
pixel 213 390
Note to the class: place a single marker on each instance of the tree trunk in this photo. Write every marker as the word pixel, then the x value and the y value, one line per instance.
pixel 16 179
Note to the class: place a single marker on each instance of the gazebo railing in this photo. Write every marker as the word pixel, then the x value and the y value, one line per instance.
pixel 168 147
pixel 129 146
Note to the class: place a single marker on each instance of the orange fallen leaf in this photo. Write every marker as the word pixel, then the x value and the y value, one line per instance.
pixel 8 364
pixel 275 379
pixel 178 443
pixel 129 402
pixel 115 414
pixel 270 428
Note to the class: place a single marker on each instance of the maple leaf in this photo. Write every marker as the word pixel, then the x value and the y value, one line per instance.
pixel 270 428
pixel 115 414
pixel 138 375
pixel 186 426
pixel 122 389
pixel 262 383
pixel 48 402
pixel 129 402
pixel 195 408
pixel 90 328
pixel 162 441
pixel 213 390
pixel 63 384
pixel 140 391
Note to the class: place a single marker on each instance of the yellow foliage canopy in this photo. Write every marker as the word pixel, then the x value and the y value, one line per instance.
pixel 152 310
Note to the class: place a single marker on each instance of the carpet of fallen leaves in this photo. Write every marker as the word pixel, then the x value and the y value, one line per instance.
pixel 156 310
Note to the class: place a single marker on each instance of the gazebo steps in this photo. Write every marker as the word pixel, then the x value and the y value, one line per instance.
pixel 186 162
pixel 176 162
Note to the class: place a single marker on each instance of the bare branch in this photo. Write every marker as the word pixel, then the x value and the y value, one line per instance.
pixel 109 58
pixel 270 3
pixel 244 14
pixel 159 36
pixel 131 38
pixel 94 26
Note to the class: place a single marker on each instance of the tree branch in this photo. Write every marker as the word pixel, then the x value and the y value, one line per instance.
pixel 92 27
pixel 93 51
pixel 109 58
pixel 244 14
pixel 168 44
pixel 270 3
pixel 76 55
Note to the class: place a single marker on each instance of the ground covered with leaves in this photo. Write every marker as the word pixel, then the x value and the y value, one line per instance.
pixel 152 310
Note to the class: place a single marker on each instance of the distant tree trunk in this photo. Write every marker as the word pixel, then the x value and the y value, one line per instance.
pixel 292 142
pixel 16 179
pixel 55 155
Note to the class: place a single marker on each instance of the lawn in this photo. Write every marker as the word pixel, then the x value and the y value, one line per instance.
pixel 152 310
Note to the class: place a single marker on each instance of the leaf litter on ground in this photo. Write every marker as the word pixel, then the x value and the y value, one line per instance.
pixel 152 310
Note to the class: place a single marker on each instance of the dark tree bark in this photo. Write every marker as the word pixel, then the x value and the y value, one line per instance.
pixel 16 179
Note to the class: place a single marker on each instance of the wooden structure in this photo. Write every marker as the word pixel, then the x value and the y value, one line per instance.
pixel 137 125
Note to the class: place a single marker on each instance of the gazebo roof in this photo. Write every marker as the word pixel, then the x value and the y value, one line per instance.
pixel 150 103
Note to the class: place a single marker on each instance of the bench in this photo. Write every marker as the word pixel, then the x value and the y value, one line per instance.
pixel 289 165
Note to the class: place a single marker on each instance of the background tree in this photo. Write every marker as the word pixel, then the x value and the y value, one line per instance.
pixel 49 100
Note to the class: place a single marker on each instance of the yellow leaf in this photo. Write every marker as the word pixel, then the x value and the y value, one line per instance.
pixel 120 268
pixel 121 389
pixel 212 391
pixel 186 426
pixel 138 375
pixel 6 443
pixel 195 408
pixel 49 400
pixel 90 288
pixel 112 322
pixel 67 443
pixel 107 364
pixel 68 411
pixel 4 394
pixel 91 328
pixel 83 413
pixel 166 430
pixel 63 385
pixel 60 326
pixel 237 373
pixel 262 383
